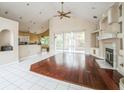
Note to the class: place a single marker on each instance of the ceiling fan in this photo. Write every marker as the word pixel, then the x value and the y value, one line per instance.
pixel 61 13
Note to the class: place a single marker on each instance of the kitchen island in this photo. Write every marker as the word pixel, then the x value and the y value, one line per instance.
pixel 29 50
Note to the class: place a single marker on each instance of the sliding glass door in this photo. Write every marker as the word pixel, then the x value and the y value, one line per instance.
pixel 59 42
pixel 70 42
pixel 79 38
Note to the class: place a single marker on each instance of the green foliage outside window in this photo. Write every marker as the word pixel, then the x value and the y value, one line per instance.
pixel 44 40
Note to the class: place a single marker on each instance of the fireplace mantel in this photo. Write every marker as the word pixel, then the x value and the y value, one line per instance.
pixel 106 36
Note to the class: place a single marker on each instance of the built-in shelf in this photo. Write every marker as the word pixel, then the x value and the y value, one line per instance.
pixel 6 40
pixel 112 14
pixel 120 22
pixel 107 35
pixel 111 31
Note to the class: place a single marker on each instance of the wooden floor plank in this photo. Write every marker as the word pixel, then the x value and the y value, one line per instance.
pixel 79 69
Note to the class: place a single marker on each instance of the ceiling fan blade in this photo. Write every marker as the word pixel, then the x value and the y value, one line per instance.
pixel 59 12
pixel 56 16
pixel 67 16
pixel 67 13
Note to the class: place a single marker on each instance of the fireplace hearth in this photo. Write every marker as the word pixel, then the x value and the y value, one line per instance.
pixel 109 56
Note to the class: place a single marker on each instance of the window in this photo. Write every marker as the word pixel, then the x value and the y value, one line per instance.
pixel 80 40
pixel 71 41
pixel 45 41
pixel 59 42
pixel 6 40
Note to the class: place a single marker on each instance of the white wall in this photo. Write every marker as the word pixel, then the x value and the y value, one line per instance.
pixel 12 26
pixel 121 51
pixel 68 25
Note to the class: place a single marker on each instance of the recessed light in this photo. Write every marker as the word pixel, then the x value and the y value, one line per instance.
pixel 27 4
pixel 6 12
pixel 95 17
pixel 20 17
pixel 34 23
pixel 40 12
pixel 93 8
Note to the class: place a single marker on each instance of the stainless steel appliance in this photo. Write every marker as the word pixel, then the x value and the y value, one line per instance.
pixel 109 56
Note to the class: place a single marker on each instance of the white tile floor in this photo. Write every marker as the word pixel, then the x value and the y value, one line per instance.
pixel 17 76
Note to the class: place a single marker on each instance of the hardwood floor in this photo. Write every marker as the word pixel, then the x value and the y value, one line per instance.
pixel 79 69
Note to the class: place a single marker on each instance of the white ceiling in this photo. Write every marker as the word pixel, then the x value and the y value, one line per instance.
pixel 35 16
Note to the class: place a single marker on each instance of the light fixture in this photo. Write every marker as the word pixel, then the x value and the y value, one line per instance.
pixel 20 17
pixel 97 22
pixel 27 4
pixel 40 12
pixel 34 23
pixel 61 13
pixel 95 17
pixel 93 8
pixel 6 12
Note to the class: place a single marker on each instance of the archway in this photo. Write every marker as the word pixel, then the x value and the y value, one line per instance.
pixel 6 43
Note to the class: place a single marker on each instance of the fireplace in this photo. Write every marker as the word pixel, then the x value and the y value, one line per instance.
pixel 109 56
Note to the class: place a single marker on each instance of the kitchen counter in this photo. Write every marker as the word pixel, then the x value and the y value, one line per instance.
pixel 29 50
pixel 29 44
